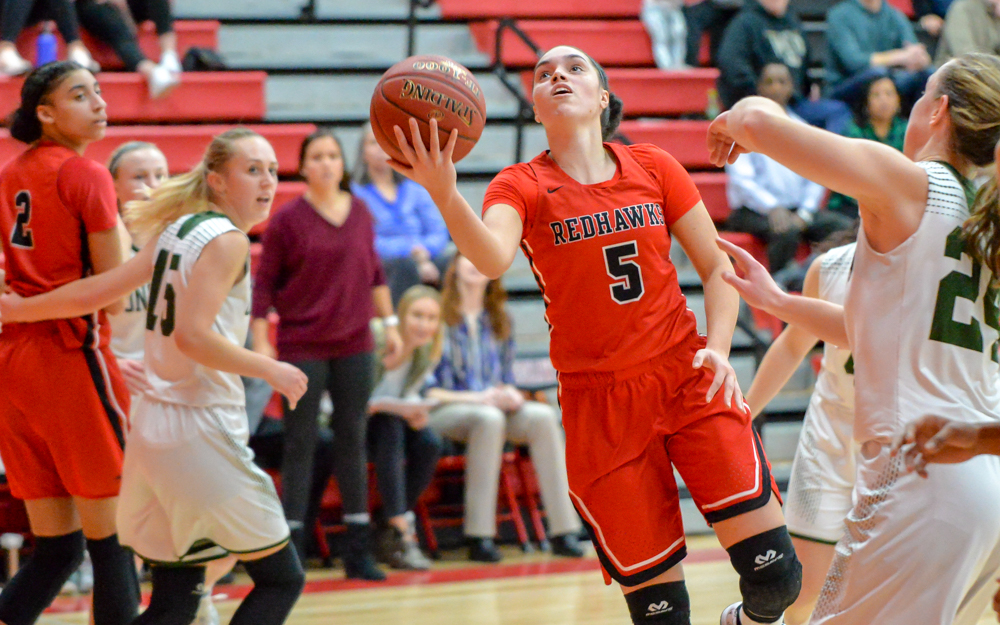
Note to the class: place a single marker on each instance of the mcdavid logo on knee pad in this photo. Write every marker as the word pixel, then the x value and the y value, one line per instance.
pixel 767 559
pixel 658 608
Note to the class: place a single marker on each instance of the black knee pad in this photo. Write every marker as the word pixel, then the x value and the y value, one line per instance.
pixel 41 578
pixel 660 604
pixel 177 591
pixel 770 573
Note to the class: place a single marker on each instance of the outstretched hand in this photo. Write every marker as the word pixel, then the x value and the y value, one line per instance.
pixel 725 377
pixel 431 167
pixel 935 439
pixel 756 287
pixel 722 147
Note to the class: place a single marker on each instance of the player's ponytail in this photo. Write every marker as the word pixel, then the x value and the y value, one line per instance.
pixel 24 123
pixel 982 229
pixel 184 194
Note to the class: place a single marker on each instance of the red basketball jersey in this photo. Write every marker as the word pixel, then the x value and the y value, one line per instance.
pixel 51 198
pixel 601 255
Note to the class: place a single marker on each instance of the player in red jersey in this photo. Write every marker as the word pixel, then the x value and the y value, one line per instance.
pixel 63 414
pixel 638 384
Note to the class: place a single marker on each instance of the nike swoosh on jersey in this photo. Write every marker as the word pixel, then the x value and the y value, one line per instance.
pixel 553 190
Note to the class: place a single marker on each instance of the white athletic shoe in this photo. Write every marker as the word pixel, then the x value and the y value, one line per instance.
pixel 731 616
pixel 207 614
pixel 162 81
pixel 82 56
pixel 13 64
pixel 171 62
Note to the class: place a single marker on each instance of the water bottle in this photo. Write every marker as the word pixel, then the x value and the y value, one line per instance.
pixel 713 108
pixel 46 46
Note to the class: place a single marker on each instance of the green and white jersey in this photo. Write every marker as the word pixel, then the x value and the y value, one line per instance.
pixel 128 328
pixel 175 378
pixel 923 322
pixel 835 383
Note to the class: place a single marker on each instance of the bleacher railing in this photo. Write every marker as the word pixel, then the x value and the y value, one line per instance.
pixel 524 111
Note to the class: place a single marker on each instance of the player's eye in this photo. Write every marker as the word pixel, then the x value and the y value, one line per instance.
pixel 274 171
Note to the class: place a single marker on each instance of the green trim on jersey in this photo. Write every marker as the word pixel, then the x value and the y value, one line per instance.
pixel 196 219
pixel 967 185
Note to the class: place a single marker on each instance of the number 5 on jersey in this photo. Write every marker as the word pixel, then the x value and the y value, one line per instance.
pixel 627 273
pixel 169 296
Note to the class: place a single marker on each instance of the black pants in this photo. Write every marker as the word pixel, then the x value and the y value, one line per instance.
pixel 405 460
pixel 16 15
pixel 349 381
pixel 781 246
pixel 106 23
pixel 709 16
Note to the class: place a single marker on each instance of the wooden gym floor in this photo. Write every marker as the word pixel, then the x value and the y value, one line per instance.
pixel 525 589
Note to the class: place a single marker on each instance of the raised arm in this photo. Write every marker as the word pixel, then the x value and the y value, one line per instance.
pixel 888 185
pixel 81 297
pixel 491 242
pixel 784 354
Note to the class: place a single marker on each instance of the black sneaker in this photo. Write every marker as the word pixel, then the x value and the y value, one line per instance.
pixel 483 550
pixel 566 545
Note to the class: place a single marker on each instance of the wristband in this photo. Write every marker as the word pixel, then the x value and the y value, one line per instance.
pixel 391 321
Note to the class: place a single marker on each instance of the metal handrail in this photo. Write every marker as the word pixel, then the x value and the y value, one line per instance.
pixel 524 112
pixel 411 24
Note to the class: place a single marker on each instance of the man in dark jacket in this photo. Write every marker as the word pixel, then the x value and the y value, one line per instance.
pixel 765 32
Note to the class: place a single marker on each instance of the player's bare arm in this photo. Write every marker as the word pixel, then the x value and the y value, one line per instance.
pixel 106 254
pixel 784 354
pixel 491 242
pixel 84 296
pixel 220 266
pixel 824 320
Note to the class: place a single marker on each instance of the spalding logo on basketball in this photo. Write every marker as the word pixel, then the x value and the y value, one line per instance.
pixel 428 87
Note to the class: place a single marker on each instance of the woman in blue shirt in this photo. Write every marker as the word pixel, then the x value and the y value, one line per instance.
pixel 410 236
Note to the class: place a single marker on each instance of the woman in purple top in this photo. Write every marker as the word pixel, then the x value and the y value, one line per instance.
pixel 410 236
pixel 320 272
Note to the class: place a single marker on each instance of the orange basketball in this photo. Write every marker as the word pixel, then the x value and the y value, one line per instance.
pixel 428 87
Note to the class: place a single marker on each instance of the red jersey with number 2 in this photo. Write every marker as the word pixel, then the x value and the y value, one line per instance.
pixel 601 255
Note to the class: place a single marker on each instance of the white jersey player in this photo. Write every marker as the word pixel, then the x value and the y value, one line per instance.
pixel 824 468
pixel 190 493
pixel 921 320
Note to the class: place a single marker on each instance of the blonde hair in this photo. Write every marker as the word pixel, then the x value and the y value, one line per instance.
pixel 186 193
pixel 972 84
pixel 411 295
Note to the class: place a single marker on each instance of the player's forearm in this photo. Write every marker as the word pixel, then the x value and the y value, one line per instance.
pixel 382 297
pixel 210 349
pixel 722 307
pixel 988 439
pixel 78 298
pixel 777 366
pixel 823 320
pixel 474 240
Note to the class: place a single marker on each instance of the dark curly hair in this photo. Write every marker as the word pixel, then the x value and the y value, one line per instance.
pixel 25 125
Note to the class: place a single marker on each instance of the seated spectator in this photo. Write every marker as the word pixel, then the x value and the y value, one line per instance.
pixel 16 15
pixel 709 16
pixel 664 22
pixel 877 119
pixel 769 200
pixel 763 32
pixel 112 22
pixel 410 236
pixel 971 26
pixel 482 408
pixel 405 451
pixel 930 14
pixel 868 39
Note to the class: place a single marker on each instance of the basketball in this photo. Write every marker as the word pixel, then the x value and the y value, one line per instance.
pixel 428 87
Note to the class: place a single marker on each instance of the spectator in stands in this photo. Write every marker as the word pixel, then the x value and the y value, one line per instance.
pixel 930 15
pixel 869 38
pixel 877 119
pixel 410 235
pixel 769 200
pixel 112 22
pixel 15 15
pixel 763 32
pixel 709 16
pixel 404 449
pixel 320 272
pixel 971 26
pixel 664 22
pixel 483 408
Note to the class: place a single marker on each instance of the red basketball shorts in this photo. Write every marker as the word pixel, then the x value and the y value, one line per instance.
pixel 62 417
pixel 627 430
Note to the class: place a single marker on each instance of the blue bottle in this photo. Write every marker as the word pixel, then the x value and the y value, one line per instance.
pixel 46 46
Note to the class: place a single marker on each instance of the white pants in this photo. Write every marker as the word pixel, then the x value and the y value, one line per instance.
pixel 190 491
pixel 915 550
pixel 823 474
pixel 485 429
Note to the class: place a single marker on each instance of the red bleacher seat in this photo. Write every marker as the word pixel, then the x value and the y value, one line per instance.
pixel 495 9
pixel 712 186
pixel 201 97
pixel 182 145
pixel 655 92
pixel 906 6
pixel 684 139
pixel 190 34
pixel 610 43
